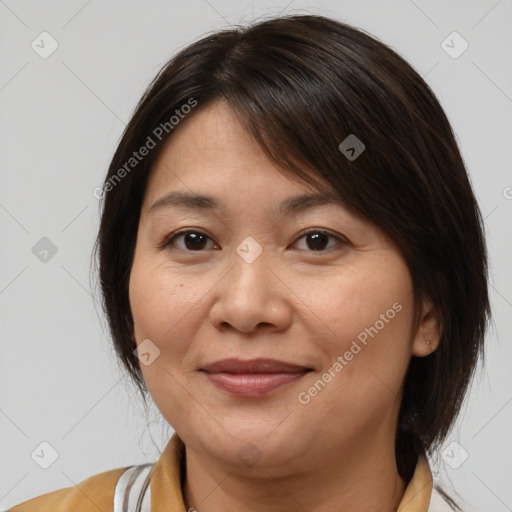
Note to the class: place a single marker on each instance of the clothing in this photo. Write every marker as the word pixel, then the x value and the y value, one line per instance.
pixel 156 487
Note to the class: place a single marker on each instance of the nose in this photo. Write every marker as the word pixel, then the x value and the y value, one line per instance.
pixel 251 297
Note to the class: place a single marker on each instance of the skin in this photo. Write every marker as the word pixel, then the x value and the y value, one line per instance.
pixel 293 304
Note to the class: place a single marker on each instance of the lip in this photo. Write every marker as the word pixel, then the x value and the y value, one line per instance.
pixel 253 377
pixel 260 365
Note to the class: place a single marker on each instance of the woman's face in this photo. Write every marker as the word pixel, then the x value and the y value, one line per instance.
pixel 244 281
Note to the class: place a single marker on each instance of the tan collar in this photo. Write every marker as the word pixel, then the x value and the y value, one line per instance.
pixel 166 495
pixel 166 482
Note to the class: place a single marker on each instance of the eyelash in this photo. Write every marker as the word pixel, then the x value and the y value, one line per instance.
pixel 168 241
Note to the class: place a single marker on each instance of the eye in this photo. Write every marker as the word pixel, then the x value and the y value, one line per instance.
pixel 192 239
pixel 317 240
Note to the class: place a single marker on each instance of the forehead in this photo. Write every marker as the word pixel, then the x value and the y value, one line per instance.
pixel 212 165
pixel 211 152
pixel 212 133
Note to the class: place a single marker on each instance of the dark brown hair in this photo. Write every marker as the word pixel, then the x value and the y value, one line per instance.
pixel 300 85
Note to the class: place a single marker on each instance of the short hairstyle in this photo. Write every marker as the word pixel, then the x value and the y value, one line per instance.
pixel 300 85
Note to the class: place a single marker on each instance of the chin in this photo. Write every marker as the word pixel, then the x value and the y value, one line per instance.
pixel 255 449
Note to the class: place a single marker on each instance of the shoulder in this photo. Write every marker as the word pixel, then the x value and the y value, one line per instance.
pixel 94 493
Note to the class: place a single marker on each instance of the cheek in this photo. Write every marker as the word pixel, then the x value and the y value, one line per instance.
pixel 159 299
pixel 161 306
pixel 369 303
pixel 366 317
pixel 168 308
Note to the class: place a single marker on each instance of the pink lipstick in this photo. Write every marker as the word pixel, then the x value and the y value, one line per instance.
pixel 253 377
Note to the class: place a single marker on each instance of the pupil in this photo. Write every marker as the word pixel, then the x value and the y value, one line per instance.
pixel 317 242
pixel 194 241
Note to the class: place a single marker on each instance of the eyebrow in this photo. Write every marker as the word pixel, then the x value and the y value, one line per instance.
pixel 289 206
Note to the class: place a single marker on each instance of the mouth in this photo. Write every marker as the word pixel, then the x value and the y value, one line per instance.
pixel 253 377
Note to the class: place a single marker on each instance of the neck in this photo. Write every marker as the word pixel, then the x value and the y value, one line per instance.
pixel 362 479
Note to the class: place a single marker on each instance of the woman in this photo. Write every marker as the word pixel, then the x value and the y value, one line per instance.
pixel 291 247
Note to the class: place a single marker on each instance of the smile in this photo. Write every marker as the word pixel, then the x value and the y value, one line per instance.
pixel 252 378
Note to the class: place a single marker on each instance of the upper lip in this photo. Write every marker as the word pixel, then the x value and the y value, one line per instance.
pixel 253 366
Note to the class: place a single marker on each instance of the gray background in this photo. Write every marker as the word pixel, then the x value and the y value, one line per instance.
pixel 61 119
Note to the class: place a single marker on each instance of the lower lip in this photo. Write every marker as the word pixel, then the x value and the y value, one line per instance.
pixel 252 384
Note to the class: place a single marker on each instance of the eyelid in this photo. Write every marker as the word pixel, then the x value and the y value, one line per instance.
pixel 339 238
pixel 167 241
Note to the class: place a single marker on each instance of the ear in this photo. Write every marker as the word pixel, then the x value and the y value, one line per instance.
pixel 428 335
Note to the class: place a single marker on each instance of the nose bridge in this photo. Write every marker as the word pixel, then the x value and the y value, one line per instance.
pixel 249 294
pixel 248 276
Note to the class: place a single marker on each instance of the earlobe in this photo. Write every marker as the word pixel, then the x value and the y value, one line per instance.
pixel 428 335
